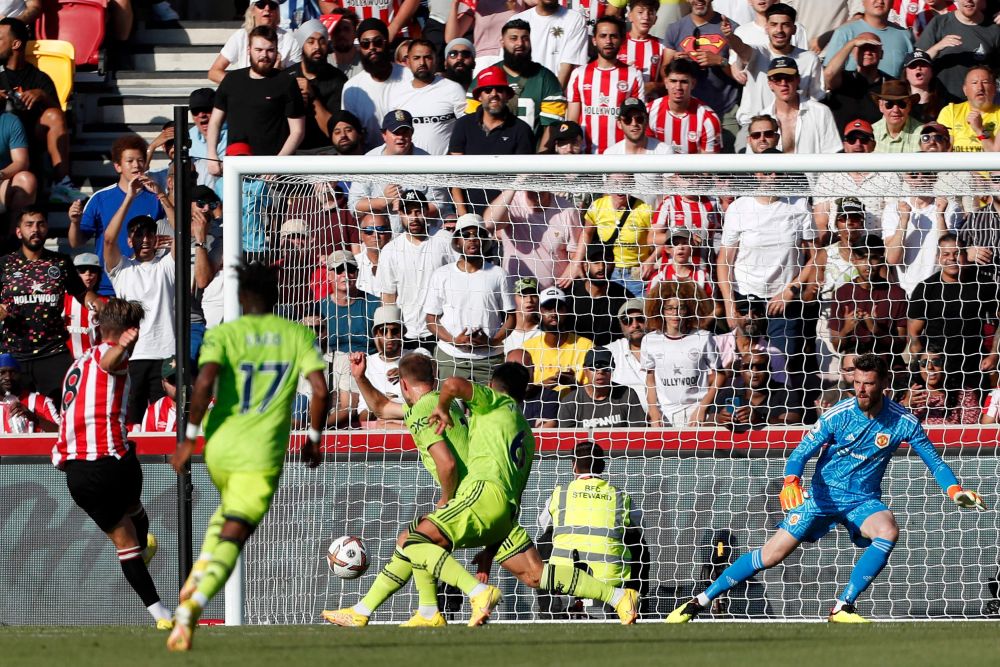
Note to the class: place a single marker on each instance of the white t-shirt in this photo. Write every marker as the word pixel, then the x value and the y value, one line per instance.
pixel 366 274
pixel 515 340
pixel 467 301
pixel 405 269
pixel 434 109
pixel 920 241
pixel 237 50
pixel 650 186
pixel 767 238
pixel 628 370
pixel 681 367
pixel 757 94
pixel 556 39
pixel 362 96
pixel 152 285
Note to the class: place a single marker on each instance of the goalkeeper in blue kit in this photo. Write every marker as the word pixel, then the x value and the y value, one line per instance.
pixel 857 437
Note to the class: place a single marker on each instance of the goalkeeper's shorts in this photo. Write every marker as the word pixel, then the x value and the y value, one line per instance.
pixel 479 515
pixel 812 520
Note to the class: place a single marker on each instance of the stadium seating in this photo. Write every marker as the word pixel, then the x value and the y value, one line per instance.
pixel 57 59
pixel 80 22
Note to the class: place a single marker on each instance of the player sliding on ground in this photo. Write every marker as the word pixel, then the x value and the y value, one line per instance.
pixel 256 361
pixel 484 511
pixel 858 437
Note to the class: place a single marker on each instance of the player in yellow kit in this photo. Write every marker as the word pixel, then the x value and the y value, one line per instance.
pixel 253 365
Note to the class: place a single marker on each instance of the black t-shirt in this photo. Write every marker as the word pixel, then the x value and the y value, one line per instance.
pixel 29 77
pixel 595 316
pixel 32 292
pixel 257 110
pixel 852 99
pixel 621 409
pixel 470 137
pixel 955 314
pixel 327 87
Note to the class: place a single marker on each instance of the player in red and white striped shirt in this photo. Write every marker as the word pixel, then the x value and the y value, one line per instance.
pixel 102 469
pixel 31 412
pixel 641 50
pixel 684 122
pixel 596 90
pixel 396 14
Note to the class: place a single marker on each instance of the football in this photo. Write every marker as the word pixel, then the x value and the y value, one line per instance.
pixel 347 557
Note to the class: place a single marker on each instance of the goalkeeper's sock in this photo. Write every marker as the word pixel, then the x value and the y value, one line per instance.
pixel 569 580
pixel 141 522
pixel 745 567
pixel 438 564
pixel 393 576
pixel 224 557
pixel 867 568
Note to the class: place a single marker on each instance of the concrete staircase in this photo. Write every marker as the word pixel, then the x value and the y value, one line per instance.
pixel 166 66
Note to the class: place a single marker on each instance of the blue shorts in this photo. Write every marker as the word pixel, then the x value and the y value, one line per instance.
pixel 812 520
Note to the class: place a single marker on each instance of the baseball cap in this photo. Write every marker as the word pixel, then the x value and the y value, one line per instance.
pixel 598 358
pixel 850 206
pixel 630 306
pixel 567 130
pixel 204 193
pixel 306 30
pixel 339 258
pixel 238 148
pixel 782 65
pixel 931 128
pixel 394 121
pixel 141 223
pixel 918 56
pixel 469 220
pixel 293 226
pixel 550 294
pixel 412 196
pixel 460 41
pixel 681 233
pixel 201 98
pixel 169 368
pixel 526 286
pixel 859 125
pixel 600 252
pixel 491 77
pixel 631 105
pixel 86 259
pixel 8 361
pixel 389 314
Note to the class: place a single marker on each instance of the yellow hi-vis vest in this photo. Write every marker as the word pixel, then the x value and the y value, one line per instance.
pixel 589 517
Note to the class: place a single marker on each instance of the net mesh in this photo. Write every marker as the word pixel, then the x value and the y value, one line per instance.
pixel 756 293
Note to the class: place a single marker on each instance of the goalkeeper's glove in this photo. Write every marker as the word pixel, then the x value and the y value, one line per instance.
pixel 965 497
pixel 791 493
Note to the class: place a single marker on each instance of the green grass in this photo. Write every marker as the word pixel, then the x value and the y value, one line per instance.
pixel 717 644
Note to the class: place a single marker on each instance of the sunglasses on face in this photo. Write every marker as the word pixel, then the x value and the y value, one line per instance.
pixel 634 118
pixel 375 41
pixel 88 269
pixel 934 363
pixel 376 230
pixel 858 138
pixel 755 367
pixel 764 134
pixel 892 104
pixel 389 331
pixel 201 112
pixel 932 137
pixel 201 203
pixel 459 54
pixel 345 267
pixel 265 4
pixel 781 78
pixel 632 319
pixel 471 234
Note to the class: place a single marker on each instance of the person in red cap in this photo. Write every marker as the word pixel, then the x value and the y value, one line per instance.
pixel 492 130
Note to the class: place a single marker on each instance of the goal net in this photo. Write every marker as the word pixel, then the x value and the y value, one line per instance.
pixel 724 299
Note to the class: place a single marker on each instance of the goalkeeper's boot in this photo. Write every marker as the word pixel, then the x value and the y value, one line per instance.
pixel 164 624
pixel 483 605
pixel 628 607
pixel 193 579
pixel 846 614
pixel 185 620
pixel 345 618
pixel 418 621
pixel 150 550
pixel 685 612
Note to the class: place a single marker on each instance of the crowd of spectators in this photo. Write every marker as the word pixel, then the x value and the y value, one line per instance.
pixel 637 305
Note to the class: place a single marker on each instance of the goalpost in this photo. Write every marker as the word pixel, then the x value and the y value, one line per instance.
pixel 696 485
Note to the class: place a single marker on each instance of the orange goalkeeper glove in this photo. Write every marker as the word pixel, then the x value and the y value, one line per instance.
pixel 966 498
pixel 791 493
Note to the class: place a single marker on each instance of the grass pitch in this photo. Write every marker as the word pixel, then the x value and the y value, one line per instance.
pixel 650 643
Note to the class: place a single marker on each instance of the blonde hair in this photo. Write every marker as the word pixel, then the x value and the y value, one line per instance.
pixel 691 296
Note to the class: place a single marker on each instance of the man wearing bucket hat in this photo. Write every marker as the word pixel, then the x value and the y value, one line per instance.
pixel 898 131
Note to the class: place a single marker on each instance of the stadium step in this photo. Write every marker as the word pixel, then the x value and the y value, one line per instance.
pixel 173 58
pixel 138 109
pixel 191 33
pixel 177 79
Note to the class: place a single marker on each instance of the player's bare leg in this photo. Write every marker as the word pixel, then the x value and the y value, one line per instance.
pixel 882 530
pixel 130 553
pixel 232 537
pixel 780 545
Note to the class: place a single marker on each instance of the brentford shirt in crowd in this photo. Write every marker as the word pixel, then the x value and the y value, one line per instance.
pixel 600 92
pixel 915 14
pixel 383 10
pixel 698 275
pixel 681 367
pixel 160 417
pixel 32 291
pixel 643 54
pixel 590 10
pixel 92 411
pixel 40 404
pixel 697 130
pixel 81 325
pixel 698 215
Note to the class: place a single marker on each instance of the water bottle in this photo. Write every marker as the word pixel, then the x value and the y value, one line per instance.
pixel 18 424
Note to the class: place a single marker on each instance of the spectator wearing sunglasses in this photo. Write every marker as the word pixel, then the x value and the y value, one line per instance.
pixel 200 104
pixel 897 131
pixel 625 350
pixel 934 397
pixel 81 323
pixel 763 134
pixel 363 92
pixel 376 232
pixel 235 52
pixel 807 126
pixel 459 61
pixel 961 39
pixel 633 122
pixel 206 256
pixel 599 402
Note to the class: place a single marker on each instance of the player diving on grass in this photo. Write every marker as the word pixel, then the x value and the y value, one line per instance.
pixel 857 437
pixel 445 455
pixel 252 364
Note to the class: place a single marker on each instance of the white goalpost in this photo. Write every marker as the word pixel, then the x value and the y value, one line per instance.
pixel 697 477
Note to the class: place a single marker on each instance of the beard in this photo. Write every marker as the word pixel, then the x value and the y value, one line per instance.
pixel 378 65
pixel 424 76
pixel 517 62
pixel 265 68
pixel 33 246
pixel 313 66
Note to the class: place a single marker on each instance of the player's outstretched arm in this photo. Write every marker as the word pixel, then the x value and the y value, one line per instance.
pixel 453 387
pixel 204 386
pixel 377 402
pixel 319 406
pixel 942 472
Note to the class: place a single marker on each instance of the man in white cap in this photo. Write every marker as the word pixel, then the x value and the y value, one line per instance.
pixel 625 350
pixel 81 323
pixel 320 82
pixel 557 353
pixel 469 307
pixel 459 61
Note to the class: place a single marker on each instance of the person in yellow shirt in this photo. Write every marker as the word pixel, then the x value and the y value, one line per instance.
pixel 557 353
pixel 623 222
pixel 973 124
